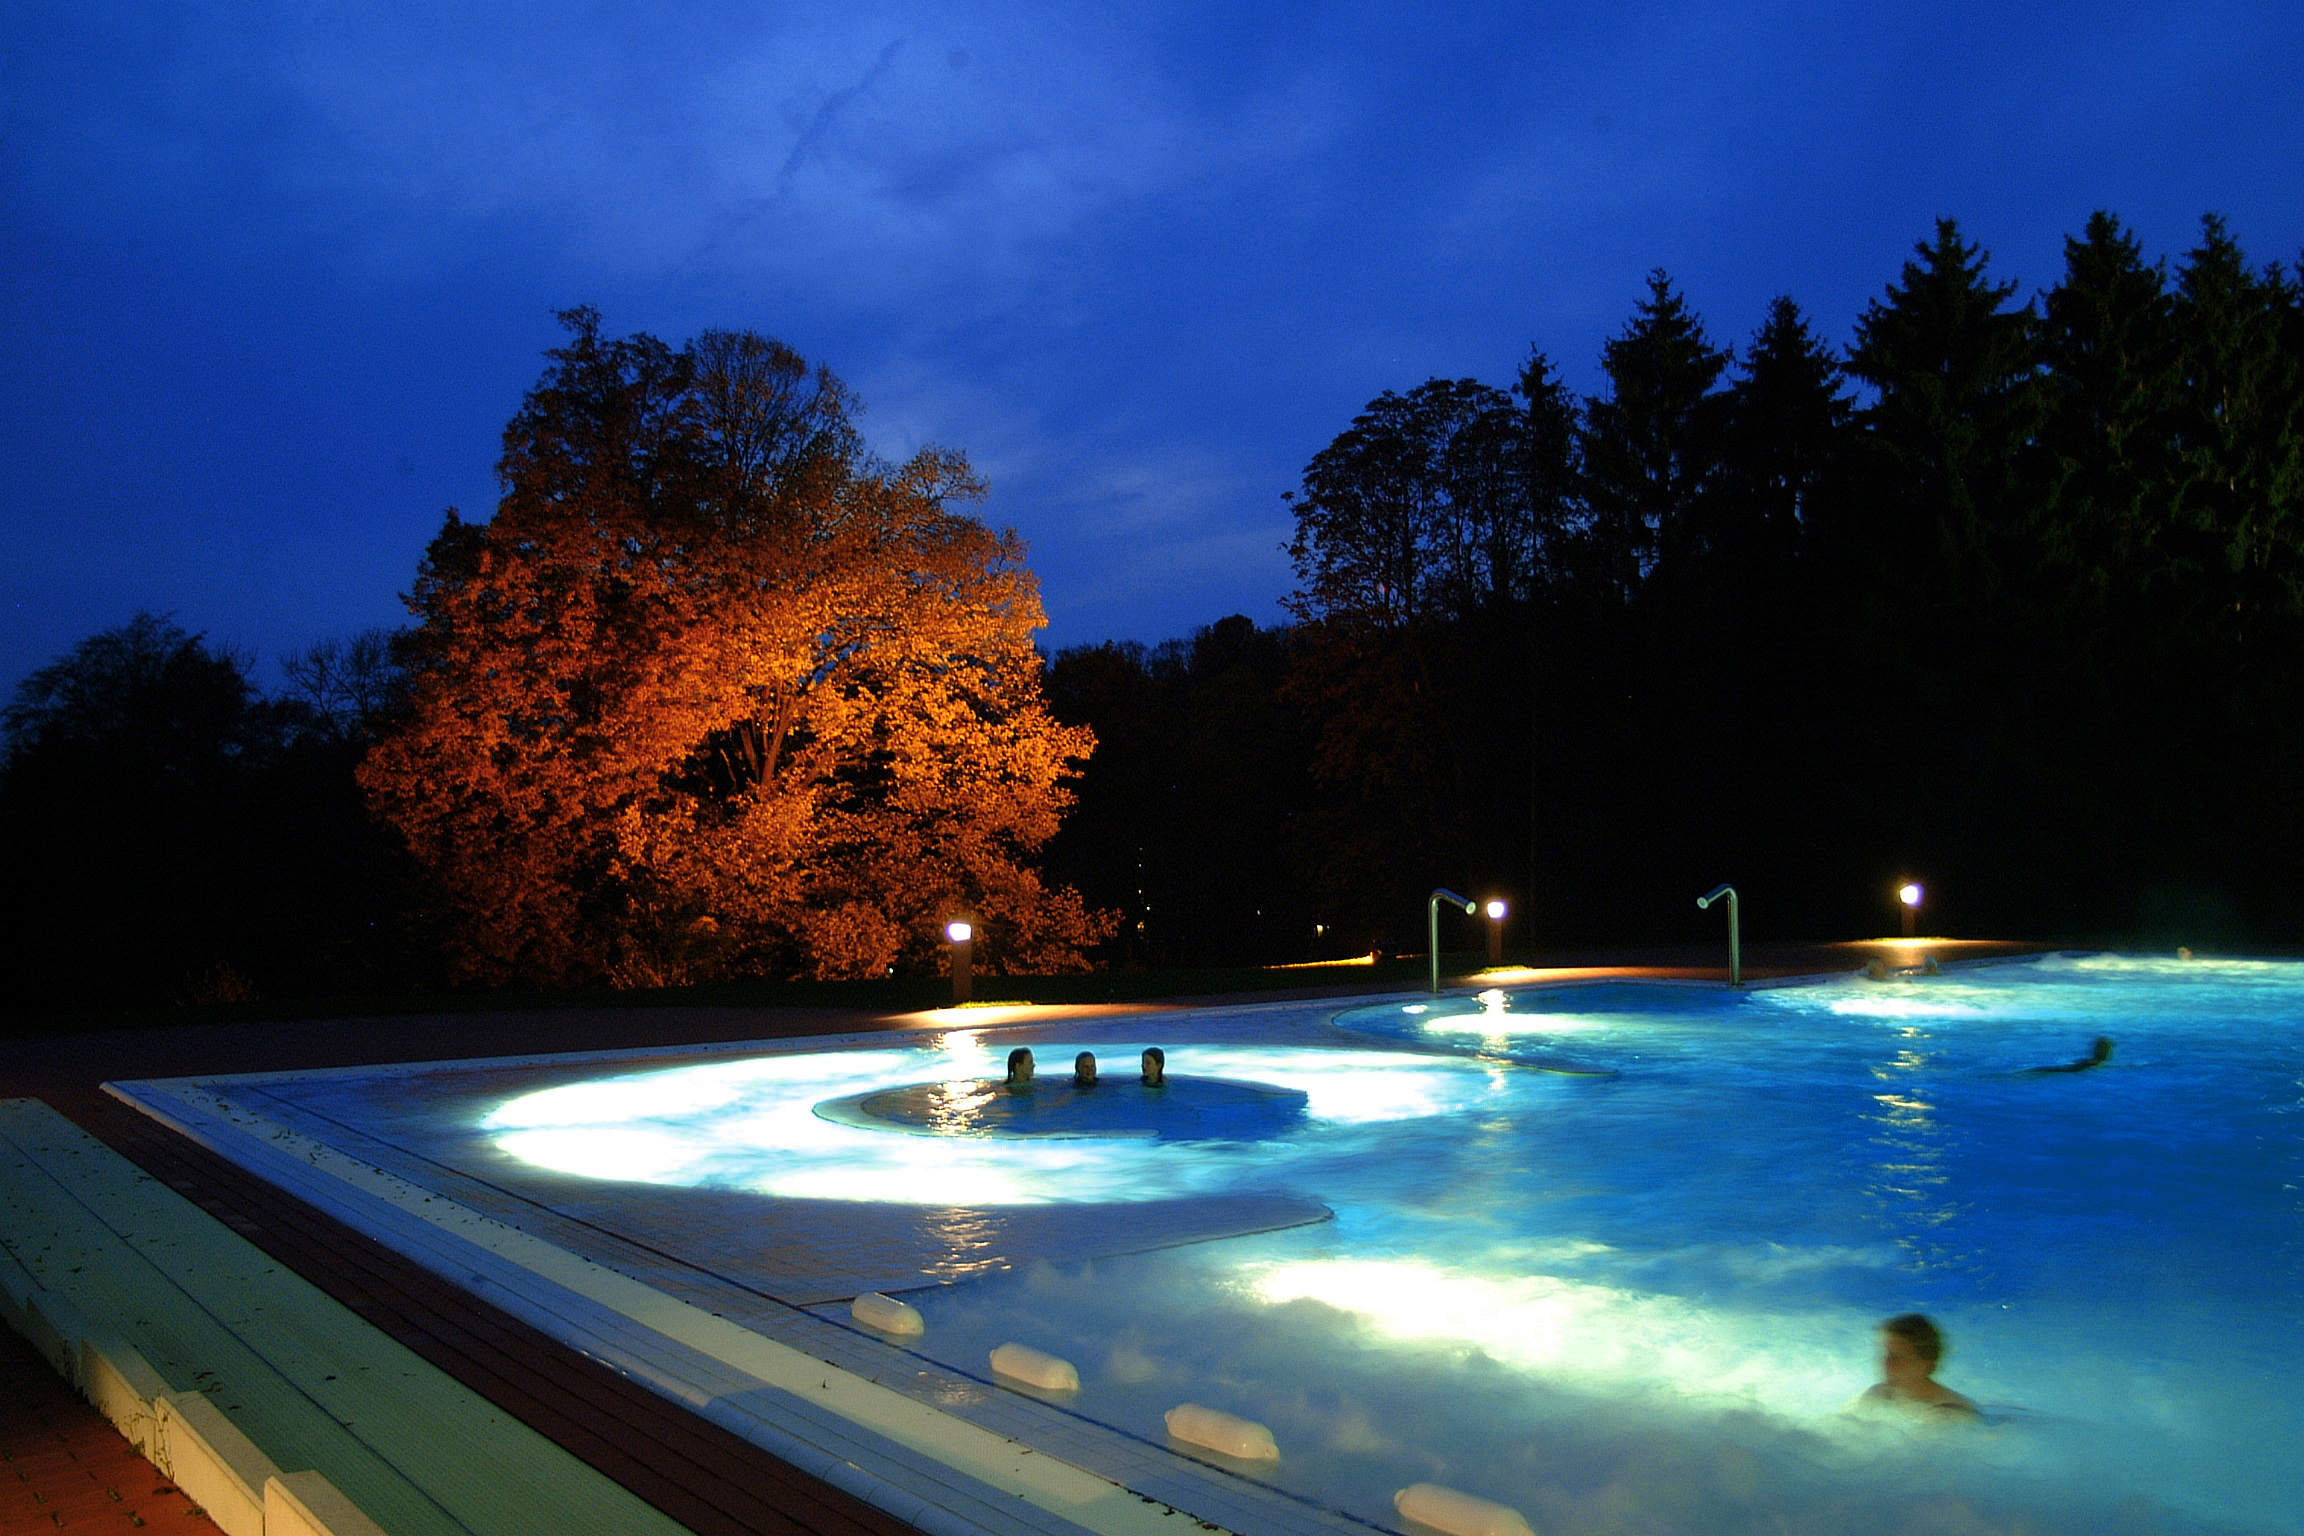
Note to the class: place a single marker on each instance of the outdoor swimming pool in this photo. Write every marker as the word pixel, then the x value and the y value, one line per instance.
pixel 1450 1246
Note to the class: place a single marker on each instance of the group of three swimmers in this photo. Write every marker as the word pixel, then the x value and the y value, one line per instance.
pixel 1155 1069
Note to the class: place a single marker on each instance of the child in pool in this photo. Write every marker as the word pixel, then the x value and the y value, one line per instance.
pixel 1910 1348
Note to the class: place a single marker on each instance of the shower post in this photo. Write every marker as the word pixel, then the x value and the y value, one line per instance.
pixel 1735 938
pixel 1432 927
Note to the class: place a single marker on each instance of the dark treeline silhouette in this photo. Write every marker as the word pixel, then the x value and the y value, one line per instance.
pixel 172 834
pixel 2009 598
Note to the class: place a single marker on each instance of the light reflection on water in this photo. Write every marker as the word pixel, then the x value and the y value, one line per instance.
pixel 1912 1178
pixel 1638 1303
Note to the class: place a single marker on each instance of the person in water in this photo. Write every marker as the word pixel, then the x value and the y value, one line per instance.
pixel 1155 1066
pixel 1911 1347
pixel 2098 1054
pixel 1019 1071
pixel 1084 1070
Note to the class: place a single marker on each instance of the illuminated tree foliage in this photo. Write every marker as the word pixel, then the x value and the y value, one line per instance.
pixel 716 693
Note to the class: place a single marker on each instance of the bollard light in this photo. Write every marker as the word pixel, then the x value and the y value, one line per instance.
pixel 962 937
pixel 1496 911
pixel 1911 895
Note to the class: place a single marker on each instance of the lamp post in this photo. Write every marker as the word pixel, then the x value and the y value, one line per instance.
pixel 1496 911
pixel 1910 895
pixel 1432 926
pixel 1735 936
pixel 962 938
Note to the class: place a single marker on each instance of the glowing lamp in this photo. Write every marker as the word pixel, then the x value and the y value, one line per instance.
pixel 1496 910
pixel 962 937
pixel 1910 894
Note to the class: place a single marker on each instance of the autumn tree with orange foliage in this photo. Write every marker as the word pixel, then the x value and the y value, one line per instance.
pixel 717 693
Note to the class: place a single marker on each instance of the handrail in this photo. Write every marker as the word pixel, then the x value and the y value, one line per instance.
pixel 1432 926
pixel 1735 939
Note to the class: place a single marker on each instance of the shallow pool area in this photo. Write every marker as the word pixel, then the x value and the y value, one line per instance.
pixel 1610 1253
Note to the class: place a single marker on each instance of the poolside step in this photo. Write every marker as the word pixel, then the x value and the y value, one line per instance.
pixel 231 1367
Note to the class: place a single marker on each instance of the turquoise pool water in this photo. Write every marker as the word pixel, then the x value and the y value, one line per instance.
pixel 1640 1302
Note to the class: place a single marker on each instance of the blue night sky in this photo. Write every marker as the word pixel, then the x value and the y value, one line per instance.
pixel 275 276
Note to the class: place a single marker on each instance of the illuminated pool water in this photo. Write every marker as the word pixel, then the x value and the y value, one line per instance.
pixel 1609 1253
pixel 1641 1302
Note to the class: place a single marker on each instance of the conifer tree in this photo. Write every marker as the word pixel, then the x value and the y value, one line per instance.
pixel 1551 474
pixel 1651 446
pixel 1955 366
pixel 2106 472
pixel 2241 430
pixel 1787 431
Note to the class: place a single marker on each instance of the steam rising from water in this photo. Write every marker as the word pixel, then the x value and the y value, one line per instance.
pixel 1575 1331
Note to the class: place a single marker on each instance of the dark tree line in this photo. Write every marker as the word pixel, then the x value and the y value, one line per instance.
pixel 2008 597
pixel 173 834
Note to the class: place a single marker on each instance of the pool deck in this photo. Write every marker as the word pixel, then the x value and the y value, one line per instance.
pixel 699 1475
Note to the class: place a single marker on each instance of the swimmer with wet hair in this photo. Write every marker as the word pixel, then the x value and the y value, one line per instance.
pixel 2098 1054
pixel 1155 1066
pixel 1911 1347
pixel 1084 1070
pixel 1019 1070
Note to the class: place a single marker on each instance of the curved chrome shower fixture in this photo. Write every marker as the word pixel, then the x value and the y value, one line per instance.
pixel 1432 926
pixel 1735 938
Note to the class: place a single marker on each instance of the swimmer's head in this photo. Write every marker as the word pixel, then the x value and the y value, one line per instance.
pixel 1019 1067
pixel 1084 1068
pixel 1155 1065
pixel 1919 1338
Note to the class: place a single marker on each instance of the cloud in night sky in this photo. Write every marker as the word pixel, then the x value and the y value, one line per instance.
pixel 278 275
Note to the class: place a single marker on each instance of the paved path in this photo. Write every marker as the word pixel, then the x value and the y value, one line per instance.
pixel 63 1468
